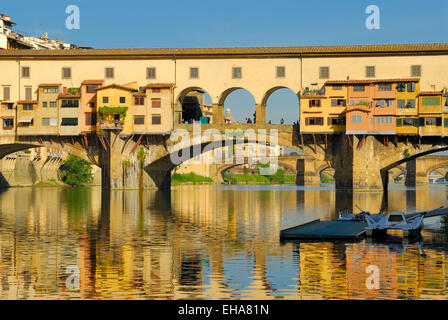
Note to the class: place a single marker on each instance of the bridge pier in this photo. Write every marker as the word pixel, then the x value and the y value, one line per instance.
pixel 307 175
pixel 260 114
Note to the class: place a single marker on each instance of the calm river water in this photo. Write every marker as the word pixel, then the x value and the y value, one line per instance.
pixel 209 242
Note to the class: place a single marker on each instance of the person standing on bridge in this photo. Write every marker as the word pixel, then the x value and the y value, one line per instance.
pixel 282 121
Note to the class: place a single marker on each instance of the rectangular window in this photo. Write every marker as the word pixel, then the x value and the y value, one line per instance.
pixel 385 87
pixel 430 101
pixel 401 103
pixel 319 121
pixel 401 86
pixel 336 121
pixel 91 89
pixel 109 73
pixel 314 103
pixel 194 73
pixel 8 123
pixel 27 107
pixel 139 101
pixel 280 72
pixel 337 87
pixel 359 88
pixel 139 120
pixel 356 118
pixel 90 119
pixel 156 90
pixel 105 99
pixel 70 104
pixel 389 102
pixel 410 104
pixel 69 122
pixel 122 99
pixel 236 73
pixel 324 72
pixel 411 86
pixel 399 122
pixel 416 71
pixel 9 106
pixel 55 90
pixel 370 71
pixel 445 122
pixel 150 73
pixel 45 121
pixel 410 122
pixel 53 104
pixel 25 72
pixel 6 93
pixel 44 104
pixel 156 119
pixel 430 121
pixel 338 102
pixel 66 73
pixel 28 93
pixel 156 103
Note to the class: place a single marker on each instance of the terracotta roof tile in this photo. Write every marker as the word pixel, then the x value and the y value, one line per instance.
pixel 92 82
pixel 114 85
pixel 372 81
pixel 50 84
pixel 160 85
pixel 430 93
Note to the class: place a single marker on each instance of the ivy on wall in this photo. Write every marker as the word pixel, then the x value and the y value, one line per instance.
pixel 112 110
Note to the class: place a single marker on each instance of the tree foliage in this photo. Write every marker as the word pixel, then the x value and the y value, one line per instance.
pixel 76 171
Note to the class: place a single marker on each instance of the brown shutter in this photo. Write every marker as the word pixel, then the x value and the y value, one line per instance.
pixel 334 102
pixel 156 103
pixel 309 103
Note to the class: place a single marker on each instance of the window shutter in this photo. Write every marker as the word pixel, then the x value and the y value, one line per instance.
pixel 399 122
pixel 445 122
pixel 309 103
pixel 334 103
pixel 438 121
pixel 328 121
pixel 6 93
pixel 307 121
pixel 421 122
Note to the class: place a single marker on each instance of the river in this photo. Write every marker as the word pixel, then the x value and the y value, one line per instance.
pixel 209 242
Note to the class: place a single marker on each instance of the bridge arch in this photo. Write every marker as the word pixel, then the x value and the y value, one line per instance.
pixel 189 104
pixel 281 102
pixel 238 113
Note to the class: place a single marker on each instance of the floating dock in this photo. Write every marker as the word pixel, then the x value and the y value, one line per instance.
pixel 323 230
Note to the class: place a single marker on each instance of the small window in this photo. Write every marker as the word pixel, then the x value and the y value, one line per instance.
pixel 91 89
pixel 385 87
pixel 416 71
pixel 6 93
pixel 150 73
pixel 139 101
pixel 44 104
pixel 28 107
pixel 156 90
pixel 156 119
pixel 45 121
pixel 69 122
pixel 401 86
pixel 122 99
pixel 28 93
pixel 25 72
pixel 194 73
pixel 314 103
pixel 92 104
pixel 280 72
pixel 139 120
pixel 337 87
pixel 358 88
pixel 370 72
pixel 356 118
pixel 430 121
pixel 53 104
pixel 105 99
pixel 324 72
pixel 236 73
pixel 156 103
pixel 66 73
pixel 109 73
pixel 411 86
pixel 9 106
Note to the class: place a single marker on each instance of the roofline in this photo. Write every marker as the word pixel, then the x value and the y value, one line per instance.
pixel 232 52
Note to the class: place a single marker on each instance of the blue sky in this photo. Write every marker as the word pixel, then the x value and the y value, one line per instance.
pixel 212 23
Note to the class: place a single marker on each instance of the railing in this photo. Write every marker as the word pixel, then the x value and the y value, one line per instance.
pixel 111 125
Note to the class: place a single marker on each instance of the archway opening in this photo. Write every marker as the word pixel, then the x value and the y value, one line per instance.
pixel 194 105
pixel 239 106
pixel 282 106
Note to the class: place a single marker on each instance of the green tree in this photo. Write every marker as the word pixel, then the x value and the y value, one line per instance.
pixel 76 171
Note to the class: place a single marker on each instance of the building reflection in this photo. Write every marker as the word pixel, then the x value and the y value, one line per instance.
pixel 203 242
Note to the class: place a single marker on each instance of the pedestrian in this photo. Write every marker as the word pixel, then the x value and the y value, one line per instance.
pixel 282 121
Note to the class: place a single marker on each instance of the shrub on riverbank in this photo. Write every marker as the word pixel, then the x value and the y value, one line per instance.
pixel 278 178
pixel 76 171
pixel 326 179
pixel 191 177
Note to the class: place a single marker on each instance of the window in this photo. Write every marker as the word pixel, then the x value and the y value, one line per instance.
pixel 416 71
pixel 139 120
pixel 156 90
pixel 28 93
pixel 122 99
pixel 45 121
pixel 109 73
pixel 55 90
pixel 105 99
pixel 150 73
pixel 411 86
pixel 401 103
pixel 358 88
pixel 70 104
pixel 66 73
pixel 69 122
pixel 9 106
pixel 53 122
pixel 139 101
pixel 324 72
pixel 336 121
pixel 92 104
pixel 370 72
pixel 44 104
pixel 8 123
pixel 385 87
pixel 90 119
pixel 410 121
pixel 430 101
pixel 410 104
pixel 314 121
pixel 25 72
pixel 91 89
pixel 280 72
pixel 338 102
pixel 27 107
pixel 53 104
pixel 314 103
pixel 337 87
pixel 401 86
pixel 236 73
pixel 156 119
pixel 430 121
pixel 445 122
pixel 6 93
pixel 384 120
pixel 194 73
pixel 156 103
pixel 356 118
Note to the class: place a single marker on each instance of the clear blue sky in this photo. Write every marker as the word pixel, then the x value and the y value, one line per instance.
pixel 212 23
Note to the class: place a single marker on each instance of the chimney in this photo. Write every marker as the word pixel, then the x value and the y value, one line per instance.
pixel 64 90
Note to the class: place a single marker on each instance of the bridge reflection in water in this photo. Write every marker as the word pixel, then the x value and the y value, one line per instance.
pixel 207 242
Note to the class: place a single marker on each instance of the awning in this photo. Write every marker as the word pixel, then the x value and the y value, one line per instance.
pixel 25 120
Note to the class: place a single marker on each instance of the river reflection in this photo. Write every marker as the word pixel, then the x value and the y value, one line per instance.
pixel 208 242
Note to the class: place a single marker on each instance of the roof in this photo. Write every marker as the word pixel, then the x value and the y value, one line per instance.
pixel 7 21
pixel 159 85
pixel 92 82
pixel 26 101
pixel 372 81
pixel 50 84
pixel 139 94
pixel 68 95
pixel 114 85
pixel 169 53
pixel 430 93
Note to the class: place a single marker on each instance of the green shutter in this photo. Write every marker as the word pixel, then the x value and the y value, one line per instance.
pixel 421 122
pixel 401 103
pixel 445 122
pixel 430 101
pixel 399 122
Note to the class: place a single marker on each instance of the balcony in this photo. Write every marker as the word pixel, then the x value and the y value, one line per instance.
pixel 111 125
